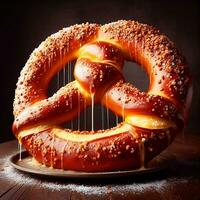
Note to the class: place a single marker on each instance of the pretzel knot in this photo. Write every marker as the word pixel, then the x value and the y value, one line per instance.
pixel 151 119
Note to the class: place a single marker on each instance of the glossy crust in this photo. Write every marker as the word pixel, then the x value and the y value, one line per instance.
pixel 100 52
pixel 118 152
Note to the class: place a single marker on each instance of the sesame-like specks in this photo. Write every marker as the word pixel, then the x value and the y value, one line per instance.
pixel 127 147
pixel 104 148
pixel 85 156
pixel 31 105
pixel 132 150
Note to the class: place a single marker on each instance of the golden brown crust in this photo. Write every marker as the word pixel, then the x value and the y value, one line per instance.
pixel 46 60
pixel 117 152
pixel 100 53
pixel 144 44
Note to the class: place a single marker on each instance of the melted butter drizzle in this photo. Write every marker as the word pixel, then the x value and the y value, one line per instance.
pixel 33 144
pixel 85 115
pixel 69 80
pixel 142 152
pixel 117 119
pixel 92 120
pixel 123 108
pixel 79 110
pixel 52 148
pixel 102 116
pixel 62 156
pixel 107 113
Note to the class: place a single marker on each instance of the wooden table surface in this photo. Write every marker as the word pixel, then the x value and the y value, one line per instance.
pixel 180 181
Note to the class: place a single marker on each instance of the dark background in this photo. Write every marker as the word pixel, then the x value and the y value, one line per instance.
pixel 25 25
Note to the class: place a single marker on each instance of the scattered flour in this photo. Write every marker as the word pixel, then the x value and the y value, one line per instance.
pixel 14 175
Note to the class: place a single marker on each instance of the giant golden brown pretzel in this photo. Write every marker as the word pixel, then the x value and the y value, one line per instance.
pixel 151 120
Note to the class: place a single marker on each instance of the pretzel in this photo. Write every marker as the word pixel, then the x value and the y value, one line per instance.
pixel 151 119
